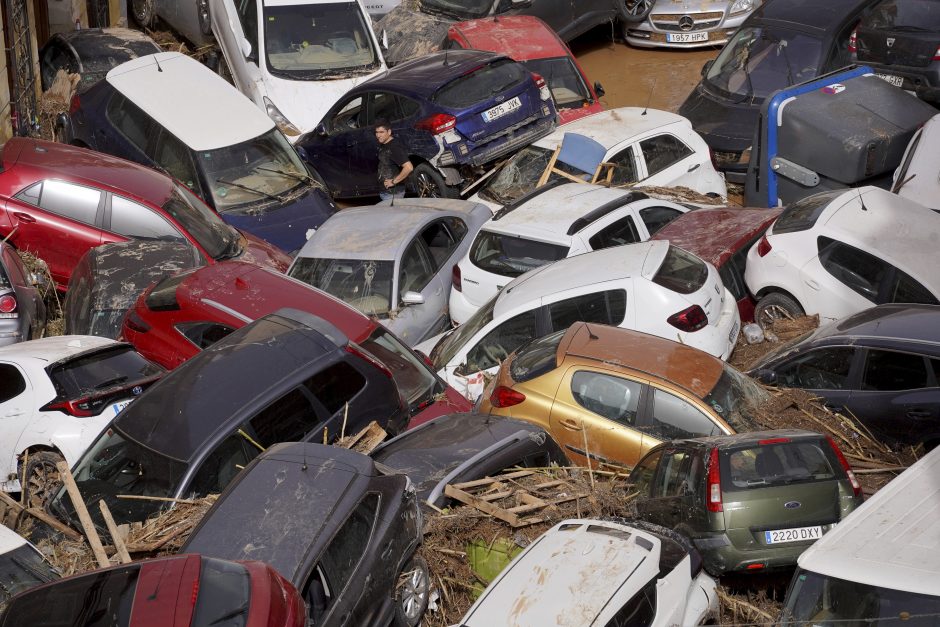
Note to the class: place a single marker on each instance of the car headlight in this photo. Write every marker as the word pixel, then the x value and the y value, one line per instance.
pixel 742 6
pixel 283 124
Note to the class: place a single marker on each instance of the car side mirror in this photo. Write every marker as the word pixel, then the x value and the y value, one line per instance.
pixel 766 376
pixel 706 67
pixel 599 89
pixel 412 298
pixel 247 50
pixel 321 129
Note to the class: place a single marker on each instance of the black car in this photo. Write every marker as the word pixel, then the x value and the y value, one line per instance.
pixel 464 447
pixel 288 376
pixel 881 365
pixel 343 530
pixel 900 40
pixel 782 43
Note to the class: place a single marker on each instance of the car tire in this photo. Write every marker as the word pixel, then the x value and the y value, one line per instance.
pixel 205 20
pixel 775 306
pixel 142 12
pixel 634 11
pixel 429 183
pixel 42 477
pixel 412 593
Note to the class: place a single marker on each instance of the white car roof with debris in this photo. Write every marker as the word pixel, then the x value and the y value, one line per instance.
pixel 191 101
pixel 47 350
pixel 614 126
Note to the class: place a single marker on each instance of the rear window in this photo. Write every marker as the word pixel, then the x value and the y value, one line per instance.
pixel 163 295
pixel 335 386
pixel 802 214
pixel 681 272
pixel 416 382
pixel 224 592
pixel 802 461
pixel 916 15
pixel 99 370
pixel 481 84
pixel 511 256
pixel 536 358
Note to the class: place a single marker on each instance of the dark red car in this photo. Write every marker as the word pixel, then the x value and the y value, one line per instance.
pixel 177 591
pixel 722 237
pixel 62 200
pixel 532 42
pixel 183 314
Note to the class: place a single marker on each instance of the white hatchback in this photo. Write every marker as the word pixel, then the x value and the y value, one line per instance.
pixel 836 253
pixel 650 286
pixel 555 221
pixel 56 395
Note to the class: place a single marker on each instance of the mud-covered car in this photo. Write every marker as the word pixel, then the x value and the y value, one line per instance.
pixel 22 310
pixel 342 528
pixel 672 24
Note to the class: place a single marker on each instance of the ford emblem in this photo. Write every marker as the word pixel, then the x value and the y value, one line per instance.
pixel 136 390
pixel 792 504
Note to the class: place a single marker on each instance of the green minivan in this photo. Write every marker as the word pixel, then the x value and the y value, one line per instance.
pixel 750 502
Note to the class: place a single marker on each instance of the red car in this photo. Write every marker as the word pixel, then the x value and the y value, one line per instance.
pixel 177 591
pixel 533 43
pixel 181 315
pixel 722 237
pixel 62 200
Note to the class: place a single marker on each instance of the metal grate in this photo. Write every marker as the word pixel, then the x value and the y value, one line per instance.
pixel 22 80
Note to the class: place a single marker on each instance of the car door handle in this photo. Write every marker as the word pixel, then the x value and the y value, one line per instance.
pixel 813 284
pixel 571 424
pixel 918 413
pixel 694 167
pixel 24 217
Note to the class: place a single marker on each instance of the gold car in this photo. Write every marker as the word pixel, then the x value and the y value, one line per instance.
pixel 608 395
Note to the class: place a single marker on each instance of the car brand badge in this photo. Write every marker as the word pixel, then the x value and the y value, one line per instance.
pixel 500 98
pixel 136 390
pixel 889 41
pixel 792 504
pixel 686 22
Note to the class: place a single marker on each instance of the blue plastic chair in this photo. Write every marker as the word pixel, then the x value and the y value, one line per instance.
pixel 582 153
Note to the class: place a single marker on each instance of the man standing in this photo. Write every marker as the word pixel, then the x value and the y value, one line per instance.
pixel 394 166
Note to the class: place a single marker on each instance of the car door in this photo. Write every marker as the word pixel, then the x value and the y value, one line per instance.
pixel 842 279
pixel 417 274
pixel 626 164
pixel 16 409
pixel 59 221
pixel 128 219
pixel 235 25
pixel 176 159
pixel 826 371
pixel 674 490
pixel 615 230
pixel 672 416
pixel 667 161
pixel 331 148
pixel 131 131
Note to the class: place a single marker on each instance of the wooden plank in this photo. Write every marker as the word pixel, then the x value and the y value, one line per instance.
pixel 91 534
pixel 547 484
pixel 495 496
pixel 480 504
pixel 489 480
pixel 42 516
pixel 119 546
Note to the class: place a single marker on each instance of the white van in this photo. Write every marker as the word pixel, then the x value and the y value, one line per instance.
pixel 879 566
pixel 295 58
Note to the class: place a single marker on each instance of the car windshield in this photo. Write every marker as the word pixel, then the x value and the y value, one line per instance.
pixel 759 60
pixel 22 568
pixel 203 224
pixel 451 344
pixel 458 9
pixel 418 384
pixel 224 595
pixel 815 599
pixel 253 172
pixel 536 358
pixel 736 398
pixel 481 84
pixel 564 81
pixel 519 175
pixel 778 463
pixel 115 465
pixel 363 283
pixel 510 256
pixel 318 41
pixel 905 15
pixel 802 214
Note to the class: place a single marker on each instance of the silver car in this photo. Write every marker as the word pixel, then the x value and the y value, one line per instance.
pixel 393 261
pixel 685 23
pixel 22 311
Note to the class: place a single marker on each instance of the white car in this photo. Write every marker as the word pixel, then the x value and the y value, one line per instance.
pixel 56 395
pixel 916 178
pixel 598 573
pixel 21 565
pixel 839 252
pixel 648 148
pixel 295 58
pixel 650 286
pixel 556 221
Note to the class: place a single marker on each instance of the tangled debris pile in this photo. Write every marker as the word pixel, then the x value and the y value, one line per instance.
pixel 777 334
pixel 55 323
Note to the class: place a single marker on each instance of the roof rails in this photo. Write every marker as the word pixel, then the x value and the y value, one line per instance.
pixel 604 209
pixel 518 202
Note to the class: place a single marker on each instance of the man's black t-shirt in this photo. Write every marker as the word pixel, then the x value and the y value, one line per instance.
pixel 392 157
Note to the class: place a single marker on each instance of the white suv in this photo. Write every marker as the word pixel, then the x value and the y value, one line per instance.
pixel 555 221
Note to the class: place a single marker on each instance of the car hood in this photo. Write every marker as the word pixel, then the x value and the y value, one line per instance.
pixel 411 34
pixel 723 124
pixel 262 253
pixel 287 226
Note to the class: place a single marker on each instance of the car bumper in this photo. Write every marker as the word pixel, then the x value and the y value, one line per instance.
pixel 461 308
pixel 720 556
pixel 663 30
pixel 718 339
pixel 512 139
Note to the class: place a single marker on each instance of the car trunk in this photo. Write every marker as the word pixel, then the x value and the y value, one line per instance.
pixel 906 47
pixel 710 297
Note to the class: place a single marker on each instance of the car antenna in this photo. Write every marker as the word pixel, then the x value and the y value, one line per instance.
pixel 650 97
pixel 590 333
pixel 157 61
pixel 303 467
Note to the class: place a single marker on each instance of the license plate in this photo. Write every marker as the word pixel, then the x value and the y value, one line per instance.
pixel 800 534
pixel 685 38
pixel 117 407
pixel 501 109
pixel 897 81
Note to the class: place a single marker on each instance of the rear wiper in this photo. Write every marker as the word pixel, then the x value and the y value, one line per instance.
pixel 250 189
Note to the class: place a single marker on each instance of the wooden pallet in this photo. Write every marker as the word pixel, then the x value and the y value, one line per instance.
pixel 507 500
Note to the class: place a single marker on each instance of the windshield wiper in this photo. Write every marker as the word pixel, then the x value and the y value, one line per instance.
pixel 250 189
pixel 296 177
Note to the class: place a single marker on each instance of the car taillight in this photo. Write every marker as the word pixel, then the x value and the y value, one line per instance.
pixel 856 486
pixel 8 303
pixel 135 323
pixel 358 352
pixel 437 123
pixel 773 441
pixel 505 397
pixel 713 495
pixel 544 92
pixel 539 81
pixel 763 247
pixel 81 408
pixel 456 279
pixel 75 104
pixel 936 55
pixel 691 319
pixel 853 41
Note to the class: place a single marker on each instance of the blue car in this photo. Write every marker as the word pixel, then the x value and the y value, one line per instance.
pixel 454 111
pixel 215 141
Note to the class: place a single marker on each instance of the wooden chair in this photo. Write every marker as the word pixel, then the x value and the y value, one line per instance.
pixel 584 154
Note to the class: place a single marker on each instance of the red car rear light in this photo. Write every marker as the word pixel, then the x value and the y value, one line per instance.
pixel 691 319
pixel 773 441
pixel 437 123
pixel 456 279
pixel 853 41
pixel 505 397
pixel 135 323
pixel 713 494
pixel 539 81
pixel 359 352
pixel 75 104
pixel 936 55
pixel 856 486
pixel 81 408
pixel 763 247
pixel 8 303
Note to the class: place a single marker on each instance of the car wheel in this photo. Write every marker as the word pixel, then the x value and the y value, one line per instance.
pixel 430 184
pixel 776 306
pixel 412 593
pixel 205 23
pixel 142 12
pixel 42 477
pixel 633 11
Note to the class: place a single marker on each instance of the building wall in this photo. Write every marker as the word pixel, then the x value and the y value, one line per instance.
pixel 6 127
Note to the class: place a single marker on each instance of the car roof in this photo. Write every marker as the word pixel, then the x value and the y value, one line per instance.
pixel 378 232
pixel 607 558
pixel 599 266
pixel 49 350
pixel 113 42
pixel 715 234
pixel 891 540
pixel 899 321
pixel 809 14
pixel 149 82
pixel 523 37
pixel 279 507
pixel 425 75
pixel 684 366
pixel 73 163
pixel 614 126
